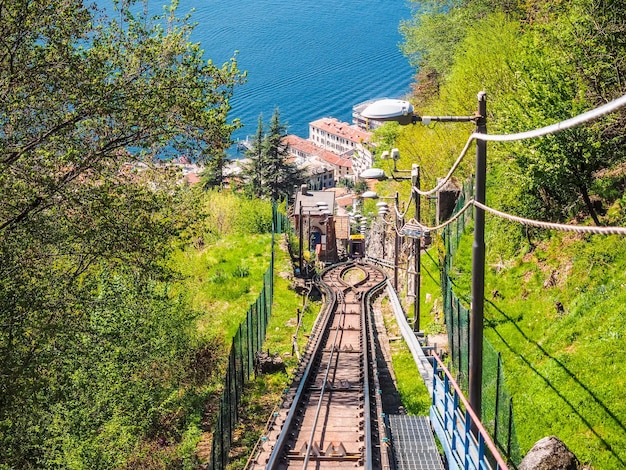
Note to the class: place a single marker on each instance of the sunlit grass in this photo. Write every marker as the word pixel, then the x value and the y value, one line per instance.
pixel 559 321
pixel 223 279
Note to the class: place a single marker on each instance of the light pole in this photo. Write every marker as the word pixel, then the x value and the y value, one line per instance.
pixel 415 179
pixel 396 248
pixel 402 112
pixel 478 264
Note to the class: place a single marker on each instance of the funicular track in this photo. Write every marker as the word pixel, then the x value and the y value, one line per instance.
pixel 331 414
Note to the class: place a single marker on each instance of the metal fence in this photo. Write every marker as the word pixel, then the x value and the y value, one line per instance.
pixel 497 404
pixel 247 342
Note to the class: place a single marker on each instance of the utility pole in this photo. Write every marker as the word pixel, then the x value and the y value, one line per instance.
pixel 300 230
pixel 402 112
pixel 396 244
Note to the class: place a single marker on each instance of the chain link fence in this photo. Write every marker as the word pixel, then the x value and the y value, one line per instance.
pixel 497 403
pixel 246 343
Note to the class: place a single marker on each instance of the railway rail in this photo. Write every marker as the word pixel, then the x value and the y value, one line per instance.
pixel 331 416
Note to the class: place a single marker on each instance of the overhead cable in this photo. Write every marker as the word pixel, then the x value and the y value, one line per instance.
pixel 553 226
pixel 560 126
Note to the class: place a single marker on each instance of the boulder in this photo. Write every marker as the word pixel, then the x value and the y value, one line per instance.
pixel 266 363
pixel 549 453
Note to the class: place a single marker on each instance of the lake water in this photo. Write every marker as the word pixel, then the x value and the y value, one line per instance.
pixel 311 59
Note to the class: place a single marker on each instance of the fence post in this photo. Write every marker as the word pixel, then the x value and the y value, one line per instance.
pixel 497 405
pixel 508 444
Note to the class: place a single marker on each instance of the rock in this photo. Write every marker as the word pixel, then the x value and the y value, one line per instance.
pixel 549 453
pixel 266 363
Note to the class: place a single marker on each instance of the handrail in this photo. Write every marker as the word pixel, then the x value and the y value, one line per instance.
pixel 470 412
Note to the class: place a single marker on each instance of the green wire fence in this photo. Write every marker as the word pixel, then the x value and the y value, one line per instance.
pixel 497 403
pixel 246 343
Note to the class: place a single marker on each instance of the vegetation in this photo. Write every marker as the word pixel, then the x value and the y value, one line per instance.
pixel 117 290
pixel 98 345
pixel 555 309
pixel 270 172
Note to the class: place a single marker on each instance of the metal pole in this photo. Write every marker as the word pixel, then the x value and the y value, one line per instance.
pixel 478 264
pixel 384 231
pixel 396 245
pixel 418 251
pixel 300 234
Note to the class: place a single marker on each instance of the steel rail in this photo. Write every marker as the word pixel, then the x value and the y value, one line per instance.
pixel 324 384
pixel 278 448
pixel 301 413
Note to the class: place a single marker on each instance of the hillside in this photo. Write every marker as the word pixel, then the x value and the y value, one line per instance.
pixel 556 314
pixel 554 300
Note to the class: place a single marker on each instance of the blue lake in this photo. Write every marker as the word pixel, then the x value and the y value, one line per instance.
pixel 309 59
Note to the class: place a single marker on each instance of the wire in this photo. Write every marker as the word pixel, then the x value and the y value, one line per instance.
pixel 563 125
pixel 467 205
pixel 553 226
pixel 535 223
pixel 560 126
pixel 450 173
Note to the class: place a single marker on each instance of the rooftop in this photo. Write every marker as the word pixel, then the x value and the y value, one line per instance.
pixel 310 149
pixel 343 129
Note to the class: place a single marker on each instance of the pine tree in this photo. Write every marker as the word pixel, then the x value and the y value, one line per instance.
pixel 269 173
pixel 281 173
pixel 252 184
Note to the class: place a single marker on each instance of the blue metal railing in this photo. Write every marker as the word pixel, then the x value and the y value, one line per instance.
pixel 465 441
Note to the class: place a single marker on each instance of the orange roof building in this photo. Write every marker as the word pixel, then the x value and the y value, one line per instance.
pixel 336 136
pixel 303 150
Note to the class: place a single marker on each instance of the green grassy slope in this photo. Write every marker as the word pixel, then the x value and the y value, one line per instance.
pixel 565 367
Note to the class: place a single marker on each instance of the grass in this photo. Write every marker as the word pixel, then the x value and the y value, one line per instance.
pixel 413 391
pixel 224 279
pixel 264 393
pixel 558 319
pixel 431 306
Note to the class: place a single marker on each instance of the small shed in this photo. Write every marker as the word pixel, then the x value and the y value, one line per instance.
pixel 314 222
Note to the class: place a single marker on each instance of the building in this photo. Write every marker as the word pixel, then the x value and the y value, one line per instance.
pixel 320 174
pixel 336 136
pixel 305 151
pixel 313 213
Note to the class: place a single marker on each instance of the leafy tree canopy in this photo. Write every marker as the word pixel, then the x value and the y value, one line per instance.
pixel 84 230
pixel 540 62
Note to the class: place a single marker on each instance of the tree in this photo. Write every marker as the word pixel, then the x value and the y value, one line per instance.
pixel 78 93
pixel 280 173
pixel 253 169
pixel 434 35
pixel 556 174
pixel 213 174
pixel 269 173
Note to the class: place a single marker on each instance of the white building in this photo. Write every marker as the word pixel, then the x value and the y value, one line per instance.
pixel 336 136
pixel 306 153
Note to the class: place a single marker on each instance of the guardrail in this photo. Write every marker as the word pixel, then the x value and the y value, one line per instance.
pixel 465 441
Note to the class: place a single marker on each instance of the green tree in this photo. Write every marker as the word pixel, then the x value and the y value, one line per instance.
pixel 280 173
pixel 77 92
pixel 213 174
pixel 434 34
pixel 269 173
pixel 360 186
pixel 253 170
pixel 555 174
